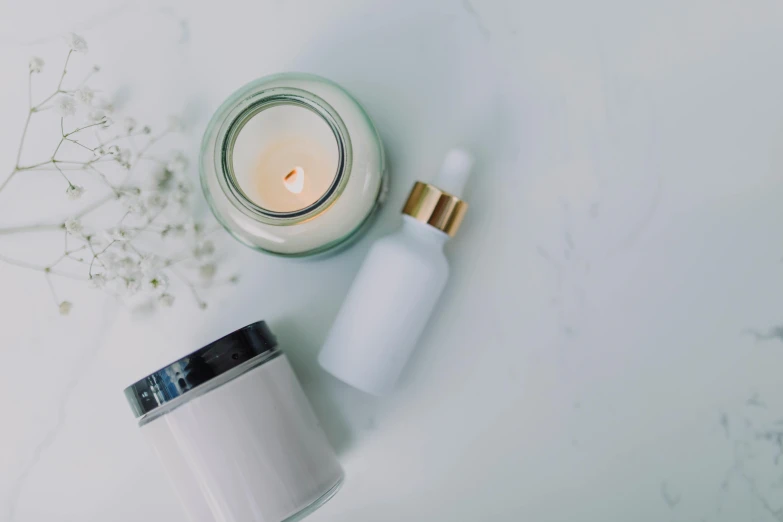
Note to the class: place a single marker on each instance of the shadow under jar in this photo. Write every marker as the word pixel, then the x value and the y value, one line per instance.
pixel 235 432
pixel 292 165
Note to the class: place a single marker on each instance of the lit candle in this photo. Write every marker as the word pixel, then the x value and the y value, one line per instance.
pixel 292 165
pixel 285 158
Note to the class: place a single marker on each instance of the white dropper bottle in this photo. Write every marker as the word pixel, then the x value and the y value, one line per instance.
pixel 398 285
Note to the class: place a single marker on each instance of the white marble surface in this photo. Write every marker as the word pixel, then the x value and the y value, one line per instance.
pixel 591 359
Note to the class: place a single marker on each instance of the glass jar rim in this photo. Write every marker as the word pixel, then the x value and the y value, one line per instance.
pixel 275 97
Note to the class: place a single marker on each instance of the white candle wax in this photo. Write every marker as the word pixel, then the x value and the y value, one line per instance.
pixel 285 158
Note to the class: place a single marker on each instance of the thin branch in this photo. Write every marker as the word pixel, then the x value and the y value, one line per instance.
pixel 38 268
pixel 105 180
pixel 80 144
pixel 51 289
pixel 95 256
pixel 26 123
pixel 38 227
pixel 59 90
pixel 65 70
pixel 63 174
pixel 201 303
pixel 102 122
pixel 34 166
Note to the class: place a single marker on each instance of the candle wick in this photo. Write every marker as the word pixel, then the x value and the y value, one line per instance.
pixel 294 180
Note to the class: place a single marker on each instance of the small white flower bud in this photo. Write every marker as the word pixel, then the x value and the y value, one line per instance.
pixel 76 43
pixel 205 249
pixel 207 271
pixel 84 95
pixel 178 163
pixel 65 105
pixel 150 265
pixel 96 115
pixel 73 226
pixel 98 281
pixel 65 307
pixel 157 284
pixel 74 192
pixel 36 64
pixel 129 124
pixel 119 234
pixel 166 300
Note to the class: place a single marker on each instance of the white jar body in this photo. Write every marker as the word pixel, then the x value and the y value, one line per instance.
pixel 250 450
pixel 387 308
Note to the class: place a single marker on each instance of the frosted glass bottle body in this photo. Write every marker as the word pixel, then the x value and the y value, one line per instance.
pixel 387 308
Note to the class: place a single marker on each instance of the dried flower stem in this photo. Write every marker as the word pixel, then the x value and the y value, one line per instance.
pixel 115 255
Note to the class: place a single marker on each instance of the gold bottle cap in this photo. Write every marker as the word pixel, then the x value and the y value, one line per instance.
pixel 429 204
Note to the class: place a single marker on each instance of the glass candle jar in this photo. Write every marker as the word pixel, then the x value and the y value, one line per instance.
pixel 235 432
pixel 292 165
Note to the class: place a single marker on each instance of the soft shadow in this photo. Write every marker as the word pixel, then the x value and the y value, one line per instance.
pixel 316 383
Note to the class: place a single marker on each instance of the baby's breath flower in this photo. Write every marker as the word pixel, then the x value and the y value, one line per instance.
pixel 98 281
pixel 84 95
pixel 73 226
pixel 124 267
pixel 76 43
pixel 205 249
pixel 65 105
pixel 179 198
pixel 134 204
pixel 234 279
pixel 74 192
pixel 104 104
pixel 156 201
pixel 207 271
pixel 180 230
pixel 132 286
pixel 36 64
pixel 178 163
pixel 124 158
pixel 129 124
pixel 119 234
pixel 150 265
pixel 96 115
pixel 184 187
pixel 157 284
pixel 120 263
pixel 99 242
pixel 161 180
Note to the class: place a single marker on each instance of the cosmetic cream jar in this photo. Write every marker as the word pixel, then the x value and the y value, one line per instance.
pixel 235 432
pixel 292 165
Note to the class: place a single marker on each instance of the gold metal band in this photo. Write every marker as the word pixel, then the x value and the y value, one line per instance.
pixel 430 205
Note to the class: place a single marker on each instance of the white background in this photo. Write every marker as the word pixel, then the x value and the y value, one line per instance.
pixel 590 359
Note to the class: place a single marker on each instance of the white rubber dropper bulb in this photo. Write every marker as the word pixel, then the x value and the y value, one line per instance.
pixel 454 172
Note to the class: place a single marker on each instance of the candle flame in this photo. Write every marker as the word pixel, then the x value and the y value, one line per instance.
pixel 294 180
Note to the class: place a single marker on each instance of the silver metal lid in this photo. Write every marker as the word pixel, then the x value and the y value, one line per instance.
pixel 200 367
